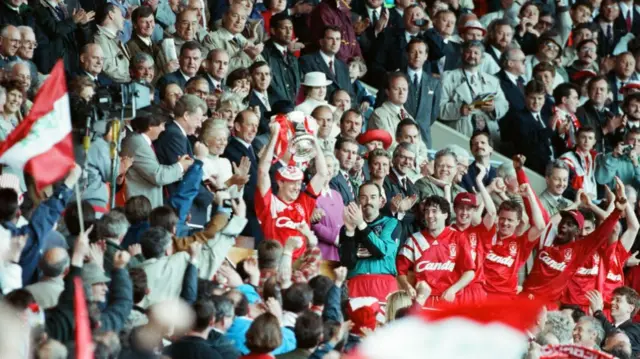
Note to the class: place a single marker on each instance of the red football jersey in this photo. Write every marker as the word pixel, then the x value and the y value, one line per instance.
pixel 277 217
pixel 585 279
pixel 503 261
pixel 479 239
pixel 438 261
pixel 612 267
pixel 554 266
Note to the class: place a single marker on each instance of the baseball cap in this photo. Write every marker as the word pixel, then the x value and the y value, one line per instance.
pixel 93 274
pixel 466 198
pixel 289 174
pixel 576 216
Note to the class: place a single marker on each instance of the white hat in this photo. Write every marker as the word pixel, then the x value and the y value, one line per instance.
pixel 289 174
pixel 316 79
pixel 474 24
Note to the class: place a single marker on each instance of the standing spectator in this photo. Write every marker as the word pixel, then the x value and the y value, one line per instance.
pixel 623 72
pixel 549 49
pixel 391 112
pixel 346 152
pixel 223 319
pixel 499 40
pixel 512 81
pixel 116 56
pixel 368 245
pixel 400 191
pixel 189 65
pixel 622 162
pixel 626 302
pixel 264 336
pixel 217 66
pixel 326 60
pixel 91 65
pixel 595 113
pixel 260 90
pixel 444 52
pixel 54 265
pixel 147 176
pixel 582 163
pixel 482 149
pixel 143 21
pixel 564 121
pixel 284 65
pixel 10 14
pixel 327 219
pixel 462 87
pixel 557 181
pixel 194 344
pixel 338 14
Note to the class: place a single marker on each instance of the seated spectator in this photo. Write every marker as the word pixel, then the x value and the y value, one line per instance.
pixel 314 88
pixel 116 57
pixel 588 332
pixel 326 219
pixel 625 307
pixel 194 344
pixel 239 81
pixel 54 265
pixel 441 183
pixel 11 111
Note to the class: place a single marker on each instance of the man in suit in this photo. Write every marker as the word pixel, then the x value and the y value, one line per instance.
pixel 169 96
pixel 400 191
pixel 147 176
pixel 10 14
pixel 284 65
pixel 260 94
pixel 190 111
pixel 511 78
pixel 351 123
pixel 392 111
pixel 379 18
pixel 116 56
pixel 609 34
pixel 481 148
pixel 325 60
pixel 557 179
pixel 346 152
pixel 246 127
pixel 444 53
pixel 595 113
pixel 533 136
pixel 216 70
pixel 91 62
pixel 623 72
pixel 190 59
pixel 461 87
pixel 242 51
pixel 391 46
pixel 9 46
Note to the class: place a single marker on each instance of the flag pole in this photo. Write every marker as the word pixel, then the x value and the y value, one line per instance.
pixel 79 204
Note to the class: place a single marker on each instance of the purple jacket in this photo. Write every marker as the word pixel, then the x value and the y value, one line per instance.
pixel 328 229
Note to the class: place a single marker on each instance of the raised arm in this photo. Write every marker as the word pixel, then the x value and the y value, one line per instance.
pixel 518 164
pixel 322 172
pixel 535 216
pixel 489 218
pixel 629 236
pixel 264 180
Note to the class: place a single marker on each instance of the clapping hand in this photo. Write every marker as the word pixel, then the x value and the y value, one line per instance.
pixel 596 302
pixel 518 161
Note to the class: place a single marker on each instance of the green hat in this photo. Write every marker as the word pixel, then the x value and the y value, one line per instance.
pixel 93 274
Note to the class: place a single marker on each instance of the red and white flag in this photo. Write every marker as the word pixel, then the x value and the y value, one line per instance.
pixel 42 144
pixel 488 331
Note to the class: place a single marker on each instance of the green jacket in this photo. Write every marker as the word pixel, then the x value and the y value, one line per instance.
pixel 608 166
pixel 381 239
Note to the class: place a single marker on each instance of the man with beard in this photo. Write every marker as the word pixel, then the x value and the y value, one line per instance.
pixel 620 125
pixel 368 245
pixel 472 100
pixel 622 163
pixel 481 148
pixel 439 255
pixel 284 215
pixel 400 190
pixel 556 264
pixel 587 58
pixel 445 169
pixel 350 125
pixel 499 39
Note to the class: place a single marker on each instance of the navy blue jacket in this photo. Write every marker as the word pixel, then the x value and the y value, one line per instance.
pixel 469 179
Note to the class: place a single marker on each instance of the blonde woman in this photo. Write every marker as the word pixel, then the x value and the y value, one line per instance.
pixel 228 108
pixel 396 301
pixel 218 170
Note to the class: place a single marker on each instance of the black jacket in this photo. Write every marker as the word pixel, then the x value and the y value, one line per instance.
pixel 315 62
pixel 340 184
pixel 630 328
pixel 532 139
pixel 191 347
pixel 223 345
pixel 285 74
pixel 393 187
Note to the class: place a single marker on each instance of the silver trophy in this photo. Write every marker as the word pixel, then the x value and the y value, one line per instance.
pixel 302 140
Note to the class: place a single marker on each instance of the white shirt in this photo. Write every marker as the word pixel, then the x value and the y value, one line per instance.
pixel 408 36
pixel 216 83
pixel 498 52
pixel 279 47
pixel 185 75
pixel 370 12
pixel 146 40
pixel 107 31
pixel 90 76
pixel 412 73
pixel 605 27
pixel 536 116
pixel 624 11
pixel 328 59
pixel 473 77
pixel 512 77
pixel 247 145
pixel 147 139
pixel 264 98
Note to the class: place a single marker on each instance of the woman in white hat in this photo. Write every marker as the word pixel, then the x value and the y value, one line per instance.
pixel 314 87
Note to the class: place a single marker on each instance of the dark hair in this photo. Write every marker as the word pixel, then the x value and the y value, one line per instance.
pixel 103 11
pixel 351 110
pixel 404 123
pixel 205 312
pixel 278 18
pixel 511 206
pixel 140 283
pixel 371 183
pixel 141 12
pixel 71 220
pixel 564 90
pixel 20 299
pixel 164 217
pixel 340 142
pixel 544 67
pixel 264 334
pixel 9 206
pixel 576 311
pixel 443 205
pixel 417 41
pixel 189 45
pixel 534 87
pixel 297 298
pixel 630 295
pixel 320 285
pixel 629 98
pixel 269 254
pixel 589 215
pixel 477 133
pixel 586 128
pixel 308 330
pixel 393 76
pixel 237 74
pixel 256 65
pixel 142 124
pixel 194 79
pixel 331 28
pixel 137 209
pixel 596 79
pixel 154 242
pixel 332 98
